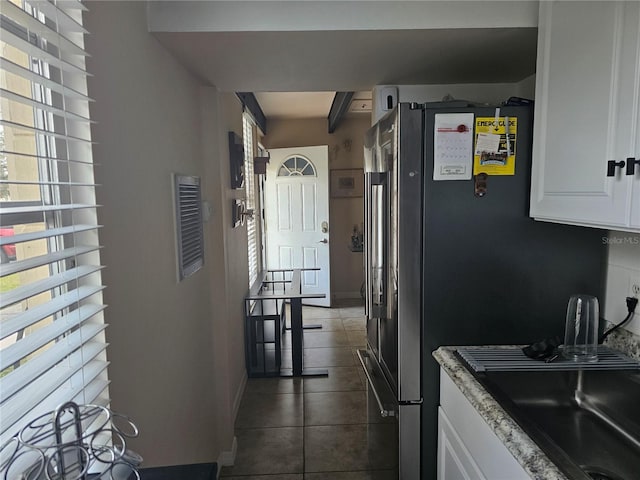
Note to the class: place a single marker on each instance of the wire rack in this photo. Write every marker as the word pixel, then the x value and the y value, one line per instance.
pixel 74 442
pixel 497 359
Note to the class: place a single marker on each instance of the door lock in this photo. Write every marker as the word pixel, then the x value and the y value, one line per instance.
pixel 325 227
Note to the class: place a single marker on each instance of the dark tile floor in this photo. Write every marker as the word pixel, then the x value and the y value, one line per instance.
pixel 314 428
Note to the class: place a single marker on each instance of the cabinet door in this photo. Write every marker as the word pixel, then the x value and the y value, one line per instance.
pixel 454 460
pixel 586 111
pixel 482 454
pixel 635 198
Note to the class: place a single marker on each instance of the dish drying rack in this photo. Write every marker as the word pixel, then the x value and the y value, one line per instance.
pixel 501 359
pixel 74 442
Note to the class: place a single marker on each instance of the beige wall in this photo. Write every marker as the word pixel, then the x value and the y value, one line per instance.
pixel 345 151
pixel 176 351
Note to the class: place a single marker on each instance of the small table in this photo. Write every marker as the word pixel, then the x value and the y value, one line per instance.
pixel 295 296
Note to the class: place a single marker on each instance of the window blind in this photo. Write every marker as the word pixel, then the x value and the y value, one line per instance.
pixel 52 345
pixel 250 186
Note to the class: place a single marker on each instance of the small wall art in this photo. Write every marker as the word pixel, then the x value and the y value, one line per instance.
pixel 345 183
pixel 236 160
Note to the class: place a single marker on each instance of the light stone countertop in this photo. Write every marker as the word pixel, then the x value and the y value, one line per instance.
pixel 534 461
pixel 625 341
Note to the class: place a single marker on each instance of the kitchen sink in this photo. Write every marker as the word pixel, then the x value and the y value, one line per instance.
pixel 586 421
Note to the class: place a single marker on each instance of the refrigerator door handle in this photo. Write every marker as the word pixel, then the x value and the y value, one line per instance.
pixel 367 241
pixel 376 243
pixel 382 393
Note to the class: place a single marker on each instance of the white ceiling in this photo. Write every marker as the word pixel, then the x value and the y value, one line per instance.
pixel 322 61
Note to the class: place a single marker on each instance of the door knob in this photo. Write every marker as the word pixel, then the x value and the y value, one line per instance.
pixel 324 240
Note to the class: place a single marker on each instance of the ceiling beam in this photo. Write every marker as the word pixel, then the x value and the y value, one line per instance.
pixel 250 102
pixel 339 107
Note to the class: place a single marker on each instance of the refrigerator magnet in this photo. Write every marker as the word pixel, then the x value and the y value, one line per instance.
pixel 495 145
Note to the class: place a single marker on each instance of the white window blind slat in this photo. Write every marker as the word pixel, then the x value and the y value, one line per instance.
pixel 63 20
pixel 26 401
pixel 71 5
pixel 45 208
pixel 32 289
pixel 34 51
pixel 29 237
pixel 19 350
pixel 33 25
pixel 36 78
pixel 95 383
pixel 23 156
pixel 34 262
pixel 42 132
pixel 12 383
pixel 56 184
pixel 93 391
pixel 40 312
pixel 42 106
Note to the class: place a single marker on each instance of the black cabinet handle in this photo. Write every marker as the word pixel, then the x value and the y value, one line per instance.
pixel 631 165
pixel 611 167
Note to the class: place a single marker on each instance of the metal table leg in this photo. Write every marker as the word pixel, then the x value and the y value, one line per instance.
pixel 297 345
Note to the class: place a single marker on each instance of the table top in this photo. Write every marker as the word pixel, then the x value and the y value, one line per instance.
pixel 294 289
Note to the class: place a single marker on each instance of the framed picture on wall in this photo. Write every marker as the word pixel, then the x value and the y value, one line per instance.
pixel 347 183
pixel 236 160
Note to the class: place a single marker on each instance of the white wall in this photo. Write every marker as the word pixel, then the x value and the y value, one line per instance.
pixel 623 266
pixel 176 352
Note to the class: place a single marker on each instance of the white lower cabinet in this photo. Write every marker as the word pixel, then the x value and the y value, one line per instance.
pixel 454 460
pixel 467 447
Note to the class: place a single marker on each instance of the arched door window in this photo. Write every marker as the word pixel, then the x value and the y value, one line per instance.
pixel 296 166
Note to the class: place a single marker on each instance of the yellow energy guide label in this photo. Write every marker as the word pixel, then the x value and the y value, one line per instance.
pixel 495 146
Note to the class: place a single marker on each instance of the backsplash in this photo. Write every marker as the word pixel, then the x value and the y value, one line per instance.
pixel 623 266
pixel 624 341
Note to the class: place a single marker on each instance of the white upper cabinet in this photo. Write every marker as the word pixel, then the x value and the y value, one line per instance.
pixel 587 113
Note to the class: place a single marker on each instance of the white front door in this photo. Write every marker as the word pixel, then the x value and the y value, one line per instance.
pixel 297 216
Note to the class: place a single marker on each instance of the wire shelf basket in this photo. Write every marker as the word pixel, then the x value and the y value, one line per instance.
pixel 74 442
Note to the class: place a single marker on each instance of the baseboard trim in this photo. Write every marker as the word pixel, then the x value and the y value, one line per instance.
pixel 227 459
pixel 238 396
pixel 195 471
pixel 346 295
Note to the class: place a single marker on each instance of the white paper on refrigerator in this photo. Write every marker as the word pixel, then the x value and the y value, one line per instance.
pixel 453 146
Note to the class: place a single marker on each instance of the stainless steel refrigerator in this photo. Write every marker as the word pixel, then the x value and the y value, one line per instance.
pixel 448 264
